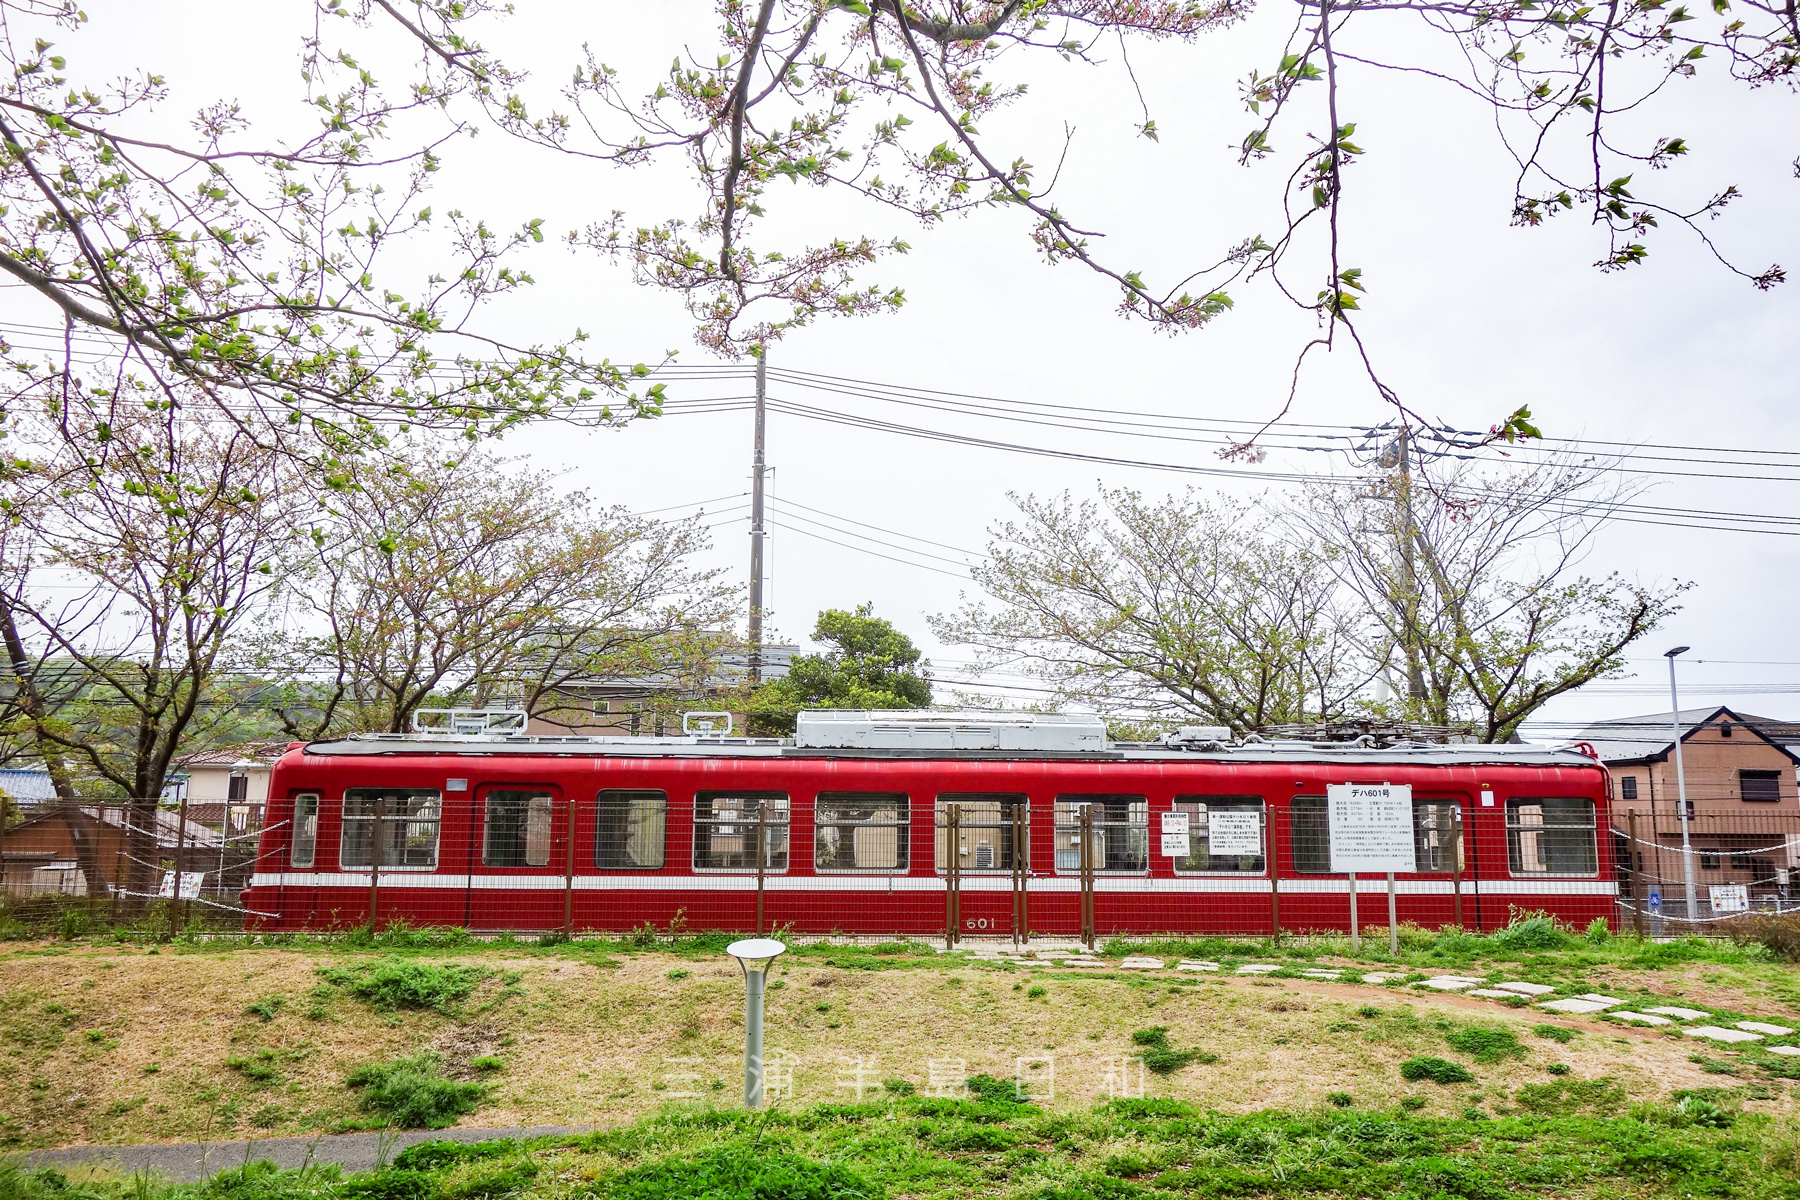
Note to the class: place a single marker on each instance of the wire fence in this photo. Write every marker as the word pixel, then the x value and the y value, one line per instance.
pixel 961 866
pixel 95 863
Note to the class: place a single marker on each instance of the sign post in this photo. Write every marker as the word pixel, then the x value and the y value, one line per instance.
pixel 1371 830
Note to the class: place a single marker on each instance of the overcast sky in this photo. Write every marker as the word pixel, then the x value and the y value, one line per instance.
pixel 1468 317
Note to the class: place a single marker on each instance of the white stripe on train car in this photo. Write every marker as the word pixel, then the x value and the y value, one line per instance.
pixel 1136 884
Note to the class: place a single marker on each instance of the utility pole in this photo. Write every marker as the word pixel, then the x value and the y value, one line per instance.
pixel 1415 679
pixel 756 521
pixel 1681 813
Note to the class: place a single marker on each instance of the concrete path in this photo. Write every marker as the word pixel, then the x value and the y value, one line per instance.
pixel 187 1162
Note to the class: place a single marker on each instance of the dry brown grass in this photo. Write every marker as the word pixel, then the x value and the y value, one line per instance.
pixel 587 1044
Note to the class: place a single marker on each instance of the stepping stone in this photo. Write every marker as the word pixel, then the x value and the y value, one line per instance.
pixel 1142 964
pixel 1786 1050
pixel 1526 989
pixel 1382 976
pixel 1082 962
pixel 1763 1027
pixel 1684 1014
pixel 1572 1006
pixel 1321 973
pixel 1257 968
pixel 1713 1033
pixel 1638 1018
pixel 1493 994
pixel 1597 998
pixel 1448 983
pixel 1196 964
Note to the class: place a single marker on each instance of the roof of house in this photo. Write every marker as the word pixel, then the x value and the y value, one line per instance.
pixel 1651 736
pixel 167 825
pixel 24 784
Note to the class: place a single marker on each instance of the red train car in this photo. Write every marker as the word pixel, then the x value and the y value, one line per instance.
pixel 502 830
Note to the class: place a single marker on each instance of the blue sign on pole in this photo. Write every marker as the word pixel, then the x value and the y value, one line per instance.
pixel 1656 899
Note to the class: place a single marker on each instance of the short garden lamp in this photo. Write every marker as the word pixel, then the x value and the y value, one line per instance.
pixel 754 955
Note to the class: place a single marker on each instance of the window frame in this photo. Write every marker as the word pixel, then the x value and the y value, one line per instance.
pixel 902 825
pixel 383 820
pixel 1002 861
pixel 662 841
pixel 1745 774
pixel 1441 802
pixel 1071 828
pixel 1201 800
pixel 525 825
pixel 1628 789
pixel 311 834
pixel 1308 806
pixel 783 804
pixel 1709 859
pixel 1514 853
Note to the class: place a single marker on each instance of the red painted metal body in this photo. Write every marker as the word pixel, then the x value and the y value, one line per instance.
pixel 460 891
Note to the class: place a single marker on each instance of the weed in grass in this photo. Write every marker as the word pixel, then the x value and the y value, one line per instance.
pixel 1036 991
pixel 1438 1070
pixel 1368 1010
pixel 728 1174
pixel 1555 1033
pixel 96 1036
pixel 1163 1058
pixel 899 1087
pixel 486 1064
pixel 268 1116
pixel 1558 1068
pixel 410 1093
pixel 267 1007
pixel 394 983
pixel 1412 1103
pixel 1713 1066
pixel 678 973
pixel 1485 1044
pixel 1565 1096
pixel 1531 931
pixel 260 1069
pixel 1779 935
pixel 1703 1111
pixel 1339 1099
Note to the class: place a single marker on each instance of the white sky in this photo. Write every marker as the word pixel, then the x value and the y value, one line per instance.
pixel 1468 317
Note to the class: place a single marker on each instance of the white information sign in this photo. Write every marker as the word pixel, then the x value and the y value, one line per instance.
pixel 1730 897
pixel 1175 822
pixel 190 885
pixel 1371 827
pixel 1175 845
pixel 1234 832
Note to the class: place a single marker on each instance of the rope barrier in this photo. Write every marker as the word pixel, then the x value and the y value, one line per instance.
pixel 195 900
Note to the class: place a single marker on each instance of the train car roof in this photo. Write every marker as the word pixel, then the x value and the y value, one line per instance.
pixel 1240 752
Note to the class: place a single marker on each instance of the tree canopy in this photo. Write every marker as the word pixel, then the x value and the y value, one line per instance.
pixel 869 664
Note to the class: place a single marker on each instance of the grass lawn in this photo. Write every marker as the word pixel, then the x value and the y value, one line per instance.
pixel 113 1041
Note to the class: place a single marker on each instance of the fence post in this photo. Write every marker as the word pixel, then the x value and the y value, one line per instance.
pixel 1355 925
pixel 1273 852
pixel 1642 890
pixel 375 861
pixel 175 901
pixel 1087 877
pixel 762 857
pixel 1456 851
pixel 569 877
pixel 952 875
pixel 1021 857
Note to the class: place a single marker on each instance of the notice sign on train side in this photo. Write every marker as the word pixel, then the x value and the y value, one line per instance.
pixel 1371 827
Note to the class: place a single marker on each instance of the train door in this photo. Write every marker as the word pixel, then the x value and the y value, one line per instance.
pixel 1443 850
pixel 518 857
pixel 986 838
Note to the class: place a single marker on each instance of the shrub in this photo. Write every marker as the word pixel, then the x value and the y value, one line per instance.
pixel 1438 1070
pixel 1485 1044
pixel 1531 931
pixel 410 1093
pixel 1779 935
pixel 1555 1033
pixel 397 983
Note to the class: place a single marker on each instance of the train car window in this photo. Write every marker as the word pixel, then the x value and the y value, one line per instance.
pixel 1221 846
pixel 725 830
pixel 516 830
pixel 630 829
pixel 860 831
pixel 1551 836
pixel 1434 836
pixel 1309 835
pixel 305 843
pixel 399 824
pixel 1121 833
pixel 986 822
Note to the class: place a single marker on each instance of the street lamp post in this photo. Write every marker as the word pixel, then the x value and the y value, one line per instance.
pixel 754 955
pixel 1687 849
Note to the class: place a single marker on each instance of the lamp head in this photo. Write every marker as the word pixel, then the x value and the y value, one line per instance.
pixel 755 954
pixel 1676 650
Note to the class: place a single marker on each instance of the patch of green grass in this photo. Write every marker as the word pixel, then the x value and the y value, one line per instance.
pixel 724 1175
pixel 1565 1095
pixel 267 1007
pixel 1339 1099
pixel 411 1094
pixel 487 1064
pixel 1555 1033
pixel 1438 1070
pixel 1163 1058
pixel 394 983
pixel 1485 1043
